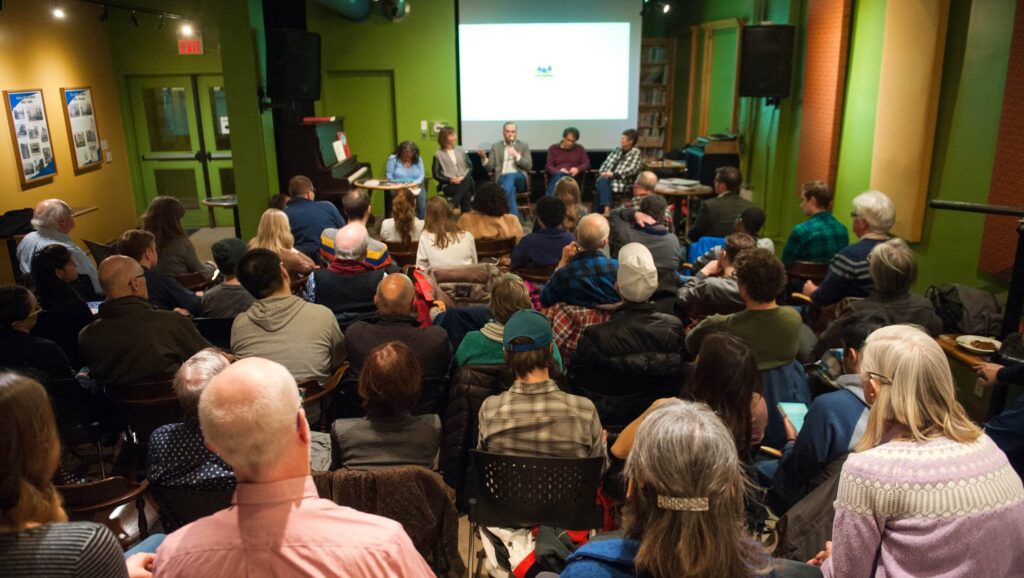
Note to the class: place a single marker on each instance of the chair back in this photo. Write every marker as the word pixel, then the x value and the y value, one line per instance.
pixel 180 506
pixel 787 383
pixel 216 330
pixel 196 281
pixel 73 410
pixel 701 246
pixel 521 492
pixel 807 270
pixel 100 251
pixel 143 407
pixel 84 502
pixel 404 254
pixel 539 274
pixel 494 248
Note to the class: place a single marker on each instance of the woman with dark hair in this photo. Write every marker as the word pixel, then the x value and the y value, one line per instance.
pixel 175 253
pixel 64 313
pixel 568 191
pixel 443 243
pixel 405 166
pixel 36 538
pixel 389 435
pixel 618 171
pixel 18 348
pixel 490 218
pixel 402 226
pixel 726 378
pixel 452 170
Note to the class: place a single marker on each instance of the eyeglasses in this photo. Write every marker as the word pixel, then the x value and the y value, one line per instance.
pixel 139 276
pixel 35 311
pixel 879 378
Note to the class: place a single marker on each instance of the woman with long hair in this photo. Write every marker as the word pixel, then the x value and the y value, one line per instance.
pixel 403 226
pixel 443 243
pixel 405 166
pixel 64 313
pixel 453 170
pixel 568 191
pixel 275 234
pixel 36 538
pixel 684 510
pixel 490 217
pixel 922 474
pixel 175 253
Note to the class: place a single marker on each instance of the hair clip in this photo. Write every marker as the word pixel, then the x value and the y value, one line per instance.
pixel 683 504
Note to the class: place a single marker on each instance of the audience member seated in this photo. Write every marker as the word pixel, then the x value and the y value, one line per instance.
pixel 569 321
pixel 164 292
pixel 566 158
pixel 303 337
pixel 228 299
pixel 584 276
pixel 347 286
pixel 848 273
pixel 389 436
pixel 821 236
pixel 644 187
pixel 443 243
pixel 395 301
pixel 275 234
pixel 716 217
pixel 490 217
pixel 771 331
pixel 403 226
pixel 64 313
pixel 714 289
pixel 684 508
pixel 53 221
pixel 643 225
pixel 544 245
pixel 177 456
pixel 749 222
pixel 834 423
pixel 356 205
pixel 484 347
pixel 251 416
pixel 1007 428
pixel 618 171
pixel 405 166
pixel 36 538
pixel 41 358
pixel 308 217
pixel 923 473
pixel 452 170
pixel 636 356
pixel 131 341
pixel 568 191
pixel 893 270
pixel 511 164
pixel 177 255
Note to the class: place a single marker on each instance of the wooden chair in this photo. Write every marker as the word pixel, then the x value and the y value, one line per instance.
pixel 312 392
pixel 196 281
pixel 807 270
pixel 494 248
pixel 298 285
pixel 77 420
pixel 538 274
pixel 143 407
pixel 83 502
pixel 403 254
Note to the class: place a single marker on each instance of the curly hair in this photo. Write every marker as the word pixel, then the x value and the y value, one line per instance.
pixel 490 200
pixel 760 274
pixel 403 209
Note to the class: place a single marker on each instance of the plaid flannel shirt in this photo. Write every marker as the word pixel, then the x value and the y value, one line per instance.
pixel 625 166
pixel 588 280
pixel 667 221
pixel 817 239
pixel 568 323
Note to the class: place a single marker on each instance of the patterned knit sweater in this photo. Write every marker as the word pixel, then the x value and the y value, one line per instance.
pixel 935 508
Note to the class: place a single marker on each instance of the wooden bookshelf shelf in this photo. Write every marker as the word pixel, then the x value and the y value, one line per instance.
pixel 654 120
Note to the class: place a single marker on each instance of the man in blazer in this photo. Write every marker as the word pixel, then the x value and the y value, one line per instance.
pixel 716 217
pixel 511 162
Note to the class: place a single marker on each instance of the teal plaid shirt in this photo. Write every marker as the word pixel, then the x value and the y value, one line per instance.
pixel 817 239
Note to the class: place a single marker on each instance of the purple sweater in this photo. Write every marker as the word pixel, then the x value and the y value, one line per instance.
pixel 935 508
pixel 560 158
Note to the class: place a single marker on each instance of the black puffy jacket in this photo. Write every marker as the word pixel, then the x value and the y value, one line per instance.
pixel 629 361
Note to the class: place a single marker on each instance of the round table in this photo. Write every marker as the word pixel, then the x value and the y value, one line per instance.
pixel 225 202
pixel 675 194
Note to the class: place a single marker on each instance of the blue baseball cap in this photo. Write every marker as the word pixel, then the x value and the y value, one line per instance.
pixel 530 324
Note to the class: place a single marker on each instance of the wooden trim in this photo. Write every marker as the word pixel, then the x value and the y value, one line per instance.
pixel 694 47
pixel 705 101
pixel 736 76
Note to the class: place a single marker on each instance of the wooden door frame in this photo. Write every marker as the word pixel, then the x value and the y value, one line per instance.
pixel 705 33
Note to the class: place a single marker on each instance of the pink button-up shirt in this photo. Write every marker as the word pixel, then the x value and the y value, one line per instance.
pixel 284 529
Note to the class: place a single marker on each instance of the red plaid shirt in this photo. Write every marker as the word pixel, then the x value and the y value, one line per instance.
pixel 569 321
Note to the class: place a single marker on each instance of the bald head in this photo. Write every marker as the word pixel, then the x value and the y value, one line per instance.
pixel 592 232
pixel 53 215
pixel 350 242
pixel 395 295
pixel 251 417
pixel 120 276
pixel 645 183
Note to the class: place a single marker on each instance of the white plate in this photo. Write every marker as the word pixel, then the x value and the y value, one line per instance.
pixel 965 342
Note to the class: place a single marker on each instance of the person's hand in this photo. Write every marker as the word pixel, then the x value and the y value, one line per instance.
pixel 643 219
pixel 563 170
pixel 809 287
pixel 568 252
pixel 483 155
pixel 607 174
pixel 574 171
pixel 791 432
pixel 515 154
pixel 199 293
pixel 140 565
pixel 457 180
pixel 182 311
pixel 712 269
pixel 987 372
pixel 822 556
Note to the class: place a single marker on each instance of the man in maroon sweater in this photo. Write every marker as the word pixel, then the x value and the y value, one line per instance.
pixel 566 159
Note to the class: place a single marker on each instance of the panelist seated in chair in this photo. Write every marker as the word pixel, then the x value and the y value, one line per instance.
pixel 251 416
pixel 164 292
pixel 453 170
pixel 490 217
pixel 389 435
pixel 566 158
pixel 227 299
pixel 618 171
pixel 511 163
pixel 406 166
pixel 347 286
pixel 544 245
pixel 177 456
pixel 713 288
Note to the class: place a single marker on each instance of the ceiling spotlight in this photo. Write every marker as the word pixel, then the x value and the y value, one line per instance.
pixel 105 15
pixel 58 11
pixel 134 18
pixel 187 30
pixel 666 8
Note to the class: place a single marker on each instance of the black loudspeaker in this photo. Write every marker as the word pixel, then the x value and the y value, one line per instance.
pixel 766 60
pixel 293 65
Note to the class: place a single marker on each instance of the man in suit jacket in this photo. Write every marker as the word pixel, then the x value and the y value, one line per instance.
pixel 716 217
pixel 511 162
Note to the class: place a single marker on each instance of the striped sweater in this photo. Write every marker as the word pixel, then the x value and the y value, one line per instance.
pixel 848 274
pixel 935 508
pixel 76 549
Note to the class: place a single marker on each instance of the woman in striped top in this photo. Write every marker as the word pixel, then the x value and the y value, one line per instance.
pixel 35 537
pixel 927 493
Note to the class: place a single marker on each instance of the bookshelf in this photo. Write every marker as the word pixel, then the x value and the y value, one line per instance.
pixel 654 121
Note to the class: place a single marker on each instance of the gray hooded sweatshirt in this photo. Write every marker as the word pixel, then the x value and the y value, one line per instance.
pixel 304 337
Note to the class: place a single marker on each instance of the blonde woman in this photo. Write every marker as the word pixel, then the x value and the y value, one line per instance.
pixel 275 234
pixel 927 493
pixel 403 226
pixel 443 243
pixel 568 191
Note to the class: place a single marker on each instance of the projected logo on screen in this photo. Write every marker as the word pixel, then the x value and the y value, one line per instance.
pixel 592 60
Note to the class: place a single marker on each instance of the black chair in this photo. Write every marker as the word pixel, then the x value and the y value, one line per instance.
pixel 180 506
pixel 78 420
pixel 216 330
pixel 521 492
pixel 100 251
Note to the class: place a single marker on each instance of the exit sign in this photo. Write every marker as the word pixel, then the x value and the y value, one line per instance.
pixel 189 46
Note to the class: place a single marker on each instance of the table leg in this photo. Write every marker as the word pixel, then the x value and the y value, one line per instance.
pixel 12 253
pixel 238 225
pixel 212 217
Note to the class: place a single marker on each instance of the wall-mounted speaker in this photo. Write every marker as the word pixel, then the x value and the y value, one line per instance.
pixel 766 60
pixel 293 65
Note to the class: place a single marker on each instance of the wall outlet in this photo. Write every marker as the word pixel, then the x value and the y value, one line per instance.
pixel 436 127
pixel 423 128
pixel 110 157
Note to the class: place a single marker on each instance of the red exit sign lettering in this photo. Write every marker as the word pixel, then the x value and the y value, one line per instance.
pixel 190 46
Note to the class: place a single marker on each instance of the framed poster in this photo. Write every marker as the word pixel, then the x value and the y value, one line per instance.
pixel 83 132
pixel 30 135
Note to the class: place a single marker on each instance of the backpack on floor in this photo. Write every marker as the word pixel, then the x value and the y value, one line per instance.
pixel 967 310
